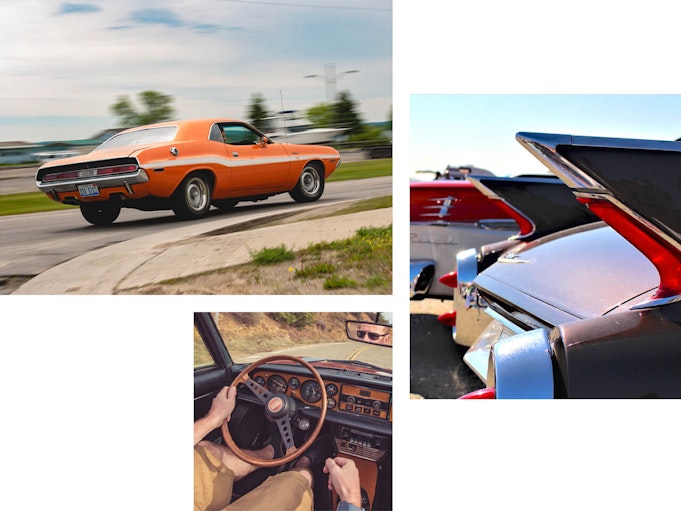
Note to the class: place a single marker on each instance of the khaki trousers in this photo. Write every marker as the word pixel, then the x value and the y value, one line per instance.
pixel 213 481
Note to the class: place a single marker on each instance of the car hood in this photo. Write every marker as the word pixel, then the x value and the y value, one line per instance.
pixel 578 273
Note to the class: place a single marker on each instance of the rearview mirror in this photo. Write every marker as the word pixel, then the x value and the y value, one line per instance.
pixel 372 333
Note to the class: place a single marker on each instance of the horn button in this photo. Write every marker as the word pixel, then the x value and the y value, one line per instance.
pixel 279 406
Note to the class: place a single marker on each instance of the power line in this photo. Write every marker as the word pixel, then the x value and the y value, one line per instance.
pixel 288 4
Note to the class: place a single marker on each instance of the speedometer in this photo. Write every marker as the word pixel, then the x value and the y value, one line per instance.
pixel 311 391
pixel 276 384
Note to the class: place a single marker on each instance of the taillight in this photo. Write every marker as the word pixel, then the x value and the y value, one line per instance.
pixel 448 318
pixel 661 253
pixel 481 394
pixel 449 279
pixel 526 227
pixel 85 173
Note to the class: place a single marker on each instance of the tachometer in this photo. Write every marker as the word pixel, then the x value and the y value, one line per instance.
pixel 311 391
pixel 276 384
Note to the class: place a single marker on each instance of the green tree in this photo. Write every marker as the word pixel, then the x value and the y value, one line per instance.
pixel 257 111
pixel 346 116
pixel 156 108
pixel 321 115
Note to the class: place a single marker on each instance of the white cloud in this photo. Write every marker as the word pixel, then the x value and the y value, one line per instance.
pixel 74 59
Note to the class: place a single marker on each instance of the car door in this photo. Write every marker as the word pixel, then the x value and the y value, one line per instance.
pixel 256 168
pixel 211 366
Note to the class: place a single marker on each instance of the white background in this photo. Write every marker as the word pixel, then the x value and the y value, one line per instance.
pixel 97 391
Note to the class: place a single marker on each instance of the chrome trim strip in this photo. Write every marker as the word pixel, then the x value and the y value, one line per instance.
pixel 649 304
pixel 504 321
pixel 543 147
pixel 521 367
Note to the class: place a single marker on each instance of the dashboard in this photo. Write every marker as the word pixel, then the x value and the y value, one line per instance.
pixel 341 397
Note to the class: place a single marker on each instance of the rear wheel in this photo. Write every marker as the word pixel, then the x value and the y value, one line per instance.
pixel 310 185
pixel 100 213
pixel 192 197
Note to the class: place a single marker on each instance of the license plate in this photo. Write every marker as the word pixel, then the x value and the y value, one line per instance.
pixel 88 190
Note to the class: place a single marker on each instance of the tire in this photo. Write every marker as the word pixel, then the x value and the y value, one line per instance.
pixel 192 198
pixel 310 185
pixel 100 213
pixel 225 204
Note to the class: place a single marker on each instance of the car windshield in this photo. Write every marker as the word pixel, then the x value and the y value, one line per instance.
pixel 140 136
pixel 310 335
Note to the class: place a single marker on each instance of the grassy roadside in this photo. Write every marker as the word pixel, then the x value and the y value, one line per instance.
pixel 361 264
pixel 31 202
pixel 35 202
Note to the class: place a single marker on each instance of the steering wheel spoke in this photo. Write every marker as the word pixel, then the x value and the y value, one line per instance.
pixel 258 390
pixel 286 432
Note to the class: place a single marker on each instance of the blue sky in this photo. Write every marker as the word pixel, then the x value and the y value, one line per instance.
pixel 479 129
pixel 64 64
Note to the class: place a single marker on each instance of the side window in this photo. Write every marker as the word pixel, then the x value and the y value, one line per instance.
pixel 202 357
pixel 237 134
pixel 216 134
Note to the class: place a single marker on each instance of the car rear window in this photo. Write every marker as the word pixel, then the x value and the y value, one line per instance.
pixel 141 136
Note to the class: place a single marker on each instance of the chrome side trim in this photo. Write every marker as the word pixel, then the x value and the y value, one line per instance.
pixel 543 147
pixel 421 273
pixel 521 367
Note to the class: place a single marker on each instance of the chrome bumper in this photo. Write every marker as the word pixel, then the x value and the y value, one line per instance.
pixel 125 180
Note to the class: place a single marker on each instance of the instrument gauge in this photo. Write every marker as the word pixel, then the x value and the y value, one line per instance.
pixel 276 384
pixel 293 383
pixel 311 391
pixel 330 402
pixel 331 389
pixel 259 380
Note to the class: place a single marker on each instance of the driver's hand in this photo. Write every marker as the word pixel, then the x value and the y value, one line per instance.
pixel 344 479
pixel 223 406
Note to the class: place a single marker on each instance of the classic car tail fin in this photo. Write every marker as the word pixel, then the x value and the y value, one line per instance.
pixel 541 205
pixel 634 185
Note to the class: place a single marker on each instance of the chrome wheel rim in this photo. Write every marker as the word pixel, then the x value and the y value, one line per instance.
pixel 310 182
pixel 197 194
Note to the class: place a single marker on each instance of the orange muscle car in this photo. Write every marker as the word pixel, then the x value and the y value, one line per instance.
pixel 186 166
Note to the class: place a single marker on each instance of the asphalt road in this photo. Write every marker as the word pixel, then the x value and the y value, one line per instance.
pixel 437 369
pixel 33 243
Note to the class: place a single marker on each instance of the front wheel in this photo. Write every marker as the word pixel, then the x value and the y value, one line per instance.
pixel 310 185
pixel 192 197
pixel 100 213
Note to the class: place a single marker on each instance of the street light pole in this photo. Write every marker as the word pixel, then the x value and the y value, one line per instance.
pixel 330 80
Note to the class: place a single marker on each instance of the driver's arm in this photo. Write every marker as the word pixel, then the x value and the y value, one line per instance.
pixel 344 479
pixel 220 411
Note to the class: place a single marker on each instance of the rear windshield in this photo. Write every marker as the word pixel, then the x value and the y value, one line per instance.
pixel 141 136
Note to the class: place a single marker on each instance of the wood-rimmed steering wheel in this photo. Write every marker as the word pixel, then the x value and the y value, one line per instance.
pixel 280 409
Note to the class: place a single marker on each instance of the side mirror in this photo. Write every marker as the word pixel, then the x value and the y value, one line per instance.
pixel 264 141
pixel 371 333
